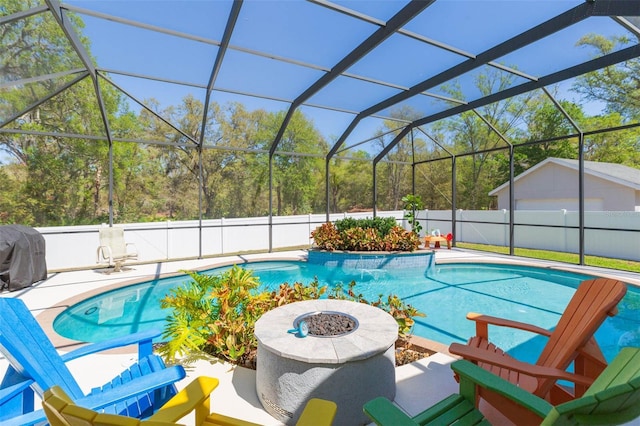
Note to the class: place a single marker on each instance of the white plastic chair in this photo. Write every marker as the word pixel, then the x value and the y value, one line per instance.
pixel 113 249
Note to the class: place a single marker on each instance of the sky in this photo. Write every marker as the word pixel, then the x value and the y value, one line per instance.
pixel 305 32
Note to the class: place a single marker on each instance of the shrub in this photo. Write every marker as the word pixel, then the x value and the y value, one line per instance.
pixel 327 236
pixel 378 234
pixel 381 224
pixel 400 239
pixel 214 316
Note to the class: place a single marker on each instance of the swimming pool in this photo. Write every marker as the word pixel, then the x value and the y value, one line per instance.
pixel 445 293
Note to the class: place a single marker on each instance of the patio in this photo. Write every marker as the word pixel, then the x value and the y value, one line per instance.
pixel 419 384
pixel 125 99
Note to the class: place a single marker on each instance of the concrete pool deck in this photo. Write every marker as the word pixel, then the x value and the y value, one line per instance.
pixel 419 384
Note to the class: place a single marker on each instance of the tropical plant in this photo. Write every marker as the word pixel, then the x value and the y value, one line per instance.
pixel 378 234
pixel 327 237
pixel 213 316
pixel 411 204
pixel 402 312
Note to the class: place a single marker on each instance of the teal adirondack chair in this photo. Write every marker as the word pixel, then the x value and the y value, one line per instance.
pixel 35 366
pixel 613 398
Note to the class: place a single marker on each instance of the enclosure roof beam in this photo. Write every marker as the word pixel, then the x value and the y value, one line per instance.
pixel 493 128
pixel 23 14
pixel 434 141
pixel 407 13
pixel 571 72
pixel 532 35
pixel 630 24
pixel 44 99
pixel 562 110
pixel 158 116
pixel 65 24
pixel 222 50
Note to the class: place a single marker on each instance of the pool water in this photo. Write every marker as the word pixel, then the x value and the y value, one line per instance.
pixel 445 293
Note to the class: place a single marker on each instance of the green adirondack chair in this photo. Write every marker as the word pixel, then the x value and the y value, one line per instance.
pixel 613 398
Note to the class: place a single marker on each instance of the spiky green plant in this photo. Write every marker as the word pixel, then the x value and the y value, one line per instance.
pixel 214 313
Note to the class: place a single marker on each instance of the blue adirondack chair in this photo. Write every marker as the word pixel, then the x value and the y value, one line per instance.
pixel 36 366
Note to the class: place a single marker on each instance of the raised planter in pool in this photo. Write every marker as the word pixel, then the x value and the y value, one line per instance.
pixel 372 260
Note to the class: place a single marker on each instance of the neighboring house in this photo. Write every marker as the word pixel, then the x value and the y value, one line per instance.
pixel 553 185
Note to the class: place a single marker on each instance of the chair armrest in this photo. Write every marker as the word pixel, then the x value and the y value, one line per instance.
pixel 484 320
pixel 384 412
pixel 472 375
pixel 318 412
pixel 475 355
pixel 143 339
pixel 105 252
pixel 195 396
pixel 133 388
pixel 8 393
pixel 28 419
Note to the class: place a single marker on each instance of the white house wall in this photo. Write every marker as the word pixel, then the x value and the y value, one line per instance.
pixel 554 187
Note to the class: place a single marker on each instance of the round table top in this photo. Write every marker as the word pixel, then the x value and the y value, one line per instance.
pixel 377 331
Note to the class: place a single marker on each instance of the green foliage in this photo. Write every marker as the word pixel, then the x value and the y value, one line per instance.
pixel 381 224
pixel 214 316
pixel 617 86
pixel 357 238
pixel 411 204
pixel 51 179
pixel 214 313
pixel 402 312
pixel 327 237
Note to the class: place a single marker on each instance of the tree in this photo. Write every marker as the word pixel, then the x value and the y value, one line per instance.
pixel 394 174
pixel 468 133
pixel 350 183
pixel 295 176
pixel 620 147
pixel 617 85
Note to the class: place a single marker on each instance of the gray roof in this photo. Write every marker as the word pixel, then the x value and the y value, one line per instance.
pixel 618 173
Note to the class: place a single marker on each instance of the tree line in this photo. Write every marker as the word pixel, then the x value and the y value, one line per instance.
pixel 49 178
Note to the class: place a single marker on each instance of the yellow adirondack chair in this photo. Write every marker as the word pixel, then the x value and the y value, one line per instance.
pixel 195 397
pixel 571 341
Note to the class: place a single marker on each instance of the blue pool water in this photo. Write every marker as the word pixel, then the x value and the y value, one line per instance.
pixel 445 293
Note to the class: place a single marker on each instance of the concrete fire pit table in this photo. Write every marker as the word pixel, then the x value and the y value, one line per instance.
pixel 349 369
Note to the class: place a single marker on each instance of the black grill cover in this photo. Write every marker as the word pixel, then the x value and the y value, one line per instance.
pixel 22 257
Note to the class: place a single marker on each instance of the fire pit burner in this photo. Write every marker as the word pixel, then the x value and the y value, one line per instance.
pixel 328 323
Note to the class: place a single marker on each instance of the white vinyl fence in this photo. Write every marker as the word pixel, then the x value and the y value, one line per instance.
pixel 76 246
pixel 614 234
